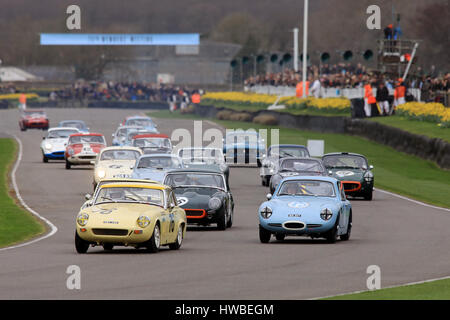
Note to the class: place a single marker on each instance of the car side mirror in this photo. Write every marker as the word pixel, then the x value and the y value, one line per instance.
pixel 269 196
pixel 330 172
pixel 370 167
pixel 87 196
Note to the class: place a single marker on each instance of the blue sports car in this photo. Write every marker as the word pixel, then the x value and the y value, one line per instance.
pixel 155 166
pixel 244 147
pixel 306 206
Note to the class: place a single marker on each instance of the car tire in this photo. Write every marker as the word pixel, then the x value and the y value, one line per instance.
pixel 155 241
pixel 95 186
pixel 222 221
pixel 68 165
pixel 280 236
pixel 81 245
pixel 44 159
pixel 230 220
pixel 177 244
pixel 108 246
pixel 346 237
pixel 369 195
pixel 332 235
pixel 264 235
pixel 258 163
pixel 263 181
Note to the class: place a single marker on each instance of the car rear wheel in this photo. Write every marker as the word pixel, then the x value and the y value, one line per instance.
pixel 177 244
pixel 68 165
pixel 368 196
pixel 108 246
pixel 264 235
pixel 280 236
pixel 81 245
pixel 155 241
pixel 346 236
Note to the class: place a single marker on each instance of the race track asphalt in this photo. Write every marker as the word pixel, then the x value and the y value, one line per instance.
pixel 409 242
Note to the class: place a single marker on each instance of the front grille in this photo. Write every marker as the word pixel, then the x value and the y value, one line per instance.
pixel 294 225
pixel 195 213
pixel 59 153
pixel 110 232
pixel 350 186
pixel 87 157
pixel 311 226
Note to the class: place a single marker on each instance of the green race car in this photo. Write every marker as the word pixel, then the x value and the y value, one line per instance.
pixel 354 172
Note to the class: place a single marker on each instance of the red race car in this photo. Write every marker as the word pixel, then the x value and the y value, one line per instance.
pixel 83 148
pixel 33 119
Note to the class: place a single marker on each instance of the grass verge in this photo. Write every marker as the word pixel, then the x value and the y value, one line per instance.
pixel 434 290
pixel 16 224
pixel 394 171
pixel 428 129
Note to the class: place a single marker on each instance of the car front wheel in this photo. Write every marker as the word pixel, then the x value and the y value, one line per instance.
pixel 368 196
pixel 332 235
pixel 68 165
pixel 81 245
pixel 155 241
pixel 222 221
pixel 44 159
pixel 264 235
pixel 177 244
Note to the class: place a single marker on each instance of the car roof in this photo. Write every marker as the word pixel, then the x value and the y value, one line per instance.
pixel 135 184
pixel 86 134
pixel 318 178
pixel 121 148
pixel 343 153
pixel 288 145
pixel 62 128
pixel 151 135
pixel 301 158
pixel 194 170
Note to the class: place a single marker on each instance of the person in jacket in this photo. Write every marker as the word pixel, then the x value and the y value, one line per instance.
pixel 383 98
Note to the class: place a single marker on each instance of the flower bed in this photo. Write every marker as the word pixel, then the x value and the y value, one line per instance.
pixel 430 112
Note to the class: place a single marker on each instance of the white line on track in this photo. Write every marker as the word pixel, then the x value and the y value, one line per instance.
pixel 390 287
pixel 411 200
pixel 53 228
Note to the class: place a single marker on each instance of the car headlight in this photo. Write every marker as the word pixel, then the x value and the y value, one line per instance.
pixel 266 212
pixel 48 146
pixel 214 203
pixel 82 219
pixel 143 221
pixel 368 176
pixel 101 173
pixel 223 167
pixel 326 214
pixel 70 152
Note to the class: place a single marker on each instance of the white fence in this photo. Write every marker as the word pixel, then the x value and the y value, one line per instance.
pixel 349 93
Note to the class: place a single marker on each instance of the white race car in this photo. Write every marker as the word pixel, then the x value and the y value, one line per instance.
pixel 54 143
pixel 115 162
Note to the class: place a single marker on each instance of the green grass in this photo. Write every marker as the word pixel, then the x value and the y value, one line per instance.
pixel 435 290
pixel 253 108
pixel 394 171
pixel 16 224
pixel 428 129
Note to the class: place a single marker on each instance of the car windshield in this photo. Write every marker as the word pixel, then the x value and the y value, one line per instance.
pixel 201 155
pixel 152 143
pixel 120 155
pixel 345 161
pixel 307 188
pixel 34 113
pixel 130 194
pixel 241 137
pixel 140 122
pixel 54 134
pixel 86 139
pixel 193 179
pixel 159 162
pixel 73 124
pixel 301 165
pixel 289 152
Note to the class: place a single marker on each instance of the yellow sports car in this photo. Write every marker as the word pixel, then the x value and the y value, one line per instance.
pixel 131 213
pixel 115 162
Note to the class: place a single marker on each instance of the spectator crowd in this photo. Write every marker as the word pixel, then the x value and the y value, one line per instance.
pixel 346 75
